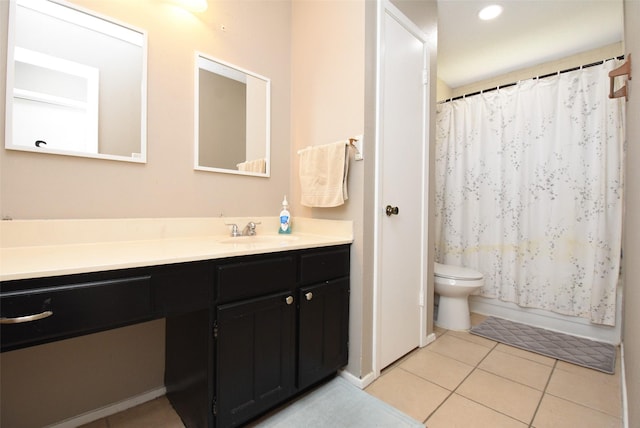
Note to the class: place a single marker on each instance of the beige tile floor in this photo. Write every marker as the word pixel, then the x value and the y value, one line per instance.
pixel 462 380
pixel 466 381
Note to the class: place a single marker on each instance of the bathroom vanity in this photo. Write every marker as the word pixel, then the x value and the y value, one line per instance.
pixel 249 323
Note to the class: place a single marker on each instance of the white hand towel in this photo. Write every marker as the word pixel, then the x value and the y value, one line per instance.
pixel 323 175
pixel 257 165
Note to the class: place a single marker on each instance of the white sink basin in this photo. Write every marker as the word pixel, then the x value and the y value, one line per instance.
pixel 260 239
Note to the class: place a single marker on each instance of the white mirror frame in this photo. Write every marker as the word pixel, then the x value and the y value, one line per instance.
pixel 96 22
pixel 214 65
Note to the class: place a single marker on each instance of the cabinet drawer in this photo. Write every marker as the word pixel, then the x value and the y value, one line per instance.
pixel 72 309
pixel 324 265
pixel 253 277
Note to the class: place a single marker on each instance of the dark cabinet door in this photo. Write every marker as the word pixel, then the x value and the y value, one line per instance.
pixel 323 330
pixel 255 353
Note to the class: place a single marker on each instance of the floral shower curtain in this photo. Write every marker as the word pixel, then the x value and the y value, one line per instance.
pixel 529 191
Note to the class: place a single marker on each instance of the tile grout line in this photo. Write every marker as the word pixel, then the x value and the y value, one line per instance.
pixel 581 404
pixel 554 369
pixel 461 382
pixel 544 391
pixel 477 367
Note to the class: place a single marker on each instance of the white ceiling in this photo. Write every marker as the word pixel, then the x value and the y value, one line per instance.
pixel 529 32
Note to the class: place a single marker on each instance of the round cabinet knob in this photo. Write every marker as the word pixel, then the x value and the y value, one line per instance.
pixel 289 300
pixel 309 295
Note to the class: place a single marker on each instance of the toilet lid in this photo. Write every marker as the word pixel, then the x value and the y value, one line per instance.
pixel 456 272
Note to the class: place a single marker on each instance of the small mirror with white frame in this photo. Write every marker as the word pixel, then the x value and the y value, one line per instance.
pixel 62 62
pixel 232 119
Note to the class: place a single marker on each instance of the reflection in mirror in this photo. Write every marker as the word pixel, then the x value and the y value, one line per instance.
pixel 232 120
pixel 76 83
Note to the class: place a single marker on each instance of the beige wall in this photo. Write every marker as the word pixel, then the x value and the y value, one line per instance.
pixel 89 372
pixel 256 37
pixel 49 383
pixel 631 262
pixel 334 65
pixel 605 52
pixel 328 105
pixel 443 92
pixel 222 143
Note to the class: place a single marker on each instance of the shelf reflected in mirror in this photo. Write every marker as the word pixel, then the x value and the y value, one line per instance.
pixel 232 119
pixel 76 83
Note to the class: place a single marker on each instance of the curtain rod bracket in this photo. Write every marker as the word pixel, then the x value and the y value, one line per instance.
pixel 624 69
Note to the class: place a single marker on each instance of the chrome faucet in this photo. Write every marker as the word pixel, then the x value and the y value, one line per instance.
pixel 250 229
pixel 234 229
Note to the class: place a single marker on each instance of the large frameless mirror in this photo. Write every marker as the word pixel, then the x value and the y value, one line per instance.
pixel 232 119
pixel 76 83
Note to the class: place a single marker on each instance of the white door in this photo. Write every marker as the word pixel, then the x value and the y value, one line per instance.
pixel 402 154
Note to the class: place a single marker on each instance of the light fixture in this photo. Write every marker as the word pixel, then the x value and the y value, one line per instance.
pixel 193 5
pixel 490 12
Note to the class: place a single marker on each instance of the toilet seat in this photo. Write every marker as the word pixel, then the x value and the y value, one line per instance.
pixel 456 272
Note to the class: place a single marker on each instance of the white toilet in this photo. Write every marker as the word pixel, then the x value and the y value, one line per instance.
pixel 454 284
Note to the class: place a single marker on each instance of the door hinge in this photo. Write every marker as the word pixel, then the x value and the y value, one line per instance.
pixel 214 407
pixel 421 299
pixel 425 77
pixel 215 329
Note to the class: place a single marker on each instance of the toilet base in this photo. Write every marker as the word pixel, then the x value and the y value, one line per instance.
pixel 453 313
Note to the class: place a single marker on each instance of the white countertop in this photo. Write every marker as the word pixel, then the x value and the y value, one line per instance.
pixel 41 248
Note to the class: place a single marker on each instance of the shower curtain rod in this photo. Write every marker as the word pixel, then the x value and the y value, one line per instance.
pixel 621 57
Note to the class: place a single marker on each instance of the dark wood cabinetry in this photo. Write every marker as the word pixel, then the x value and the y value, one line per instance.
pixel 182 288
pixel 252 276
pixel 282 326
pixel 41 310
pixel 323 330
pixel 243 334
pixel 255 357
pixel 324 314
pixel 48 310
pixel 254 335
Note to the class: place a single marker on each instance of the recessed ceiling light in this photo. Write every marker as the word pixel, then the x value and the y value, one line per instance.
pixel 490 12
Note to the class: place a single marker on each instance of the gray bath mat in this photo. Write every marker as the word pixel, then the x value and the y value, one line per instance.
pixel 572 349
pixel 338 404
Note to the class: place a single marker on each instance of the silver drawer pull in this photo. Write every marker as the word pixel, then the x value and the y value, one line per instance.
pixel 26 318
pixel 289 300
pixel 309 295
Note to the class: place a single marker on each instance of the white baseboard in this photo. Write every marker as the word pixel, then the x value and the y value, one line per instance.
pixel 361 383
pixel 111 409
pixel 365 381
pixel 430 338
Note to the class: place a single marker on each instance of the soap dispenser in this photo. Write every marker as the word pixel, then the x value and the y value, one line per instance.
pixel 285 217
